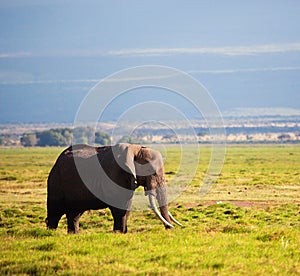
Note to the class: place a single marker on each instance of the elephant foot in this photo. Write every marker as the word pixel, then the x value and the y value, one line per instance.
pixel 167 227
pixel 52 222
pixel 119 232
pixel 72 231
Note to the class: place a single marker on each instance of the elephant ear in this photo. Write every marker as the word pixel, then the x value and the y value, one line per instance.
pixel 124 154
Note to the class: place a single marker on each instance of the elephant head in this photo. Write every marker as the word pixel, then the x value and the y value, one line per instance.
pixel 147 169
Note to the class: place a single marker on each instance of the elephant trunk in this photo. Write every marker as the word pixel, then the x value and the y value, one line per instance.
pixel 165 219
pixel 162 199
pixel 164 214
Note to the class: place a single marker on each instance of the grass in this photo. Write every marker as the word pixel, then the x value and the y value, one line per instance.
pixel 249 223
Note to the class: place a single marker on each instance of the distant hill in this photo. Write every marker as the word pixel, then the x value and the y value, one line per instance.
pixel 57 97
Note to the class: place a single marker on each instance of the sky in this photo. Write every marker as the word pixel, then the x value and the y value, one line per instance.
pixel 246 53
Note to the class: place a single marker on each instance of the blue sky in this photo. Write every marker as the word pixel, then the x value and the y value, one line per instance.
pixel 247 53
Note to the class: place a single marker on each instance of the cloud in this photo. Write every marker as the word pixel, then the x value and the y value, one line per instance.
pixel 26 79
pixel 229 51
pixel 15 55
pixel 265 111
pixel 244 70
pixel 151 52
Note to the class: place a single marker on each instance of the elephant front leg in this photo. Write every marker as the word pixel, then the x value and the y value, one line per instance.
pixel 52 221
pixel 55 211
pixel 120 219
pixel 73 222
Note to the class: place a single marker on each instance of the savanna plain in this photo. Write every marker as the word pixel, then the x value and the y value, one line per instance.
pixel 247 224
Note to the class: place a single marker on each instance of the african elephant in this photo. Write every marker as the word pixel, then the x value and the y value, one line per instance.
pixel 86 177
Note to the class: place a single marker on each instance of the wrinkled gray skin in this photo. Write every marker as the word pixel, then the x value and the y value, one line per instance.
pixel 67 194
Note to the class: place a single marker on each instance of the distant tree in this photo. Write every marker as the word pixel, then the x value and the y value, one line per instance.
pixel 47 138
pixel 84 135
pixel 127 139
pixel 29 140
pixel 201 133
pixel 9 140
pixel 67 134
pixel 64 137
pixel 102 138
pixel 284 137
pixel 52 137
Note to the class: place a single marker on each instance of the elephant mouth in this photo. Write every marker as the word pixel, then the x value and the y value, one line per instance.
pixel 168 217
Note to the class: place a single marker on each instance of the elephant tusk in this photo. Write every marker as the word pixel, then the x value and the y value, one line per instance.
pixel 154 208
pixel 174 220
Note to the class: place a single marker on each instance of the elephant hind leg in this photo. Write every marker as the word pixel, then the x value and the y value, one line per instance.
pixel 73 221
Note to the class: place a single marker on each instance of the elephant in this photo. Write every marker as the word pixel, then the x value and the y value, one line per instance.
pixel 85 178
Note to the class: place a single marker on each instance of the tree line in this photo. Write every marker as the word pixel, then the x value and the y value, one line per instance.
pixel 64 137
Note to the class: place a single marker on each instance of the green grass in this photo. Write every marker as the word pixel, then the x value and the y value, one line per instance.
pixel 248 224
